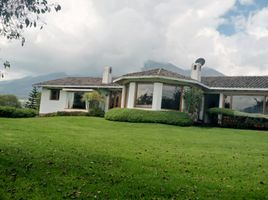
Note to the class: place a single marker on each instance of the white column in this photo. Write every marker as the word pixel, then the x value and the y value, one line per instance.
pixel 220 106
pixel 123 96
pixel 201 113
pixel 157 96
pixel 221 100
pixel 131 95
pixel 107 102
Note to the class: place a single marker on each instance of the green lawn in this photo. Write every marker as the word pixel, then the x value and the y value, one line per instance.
pixel 87 158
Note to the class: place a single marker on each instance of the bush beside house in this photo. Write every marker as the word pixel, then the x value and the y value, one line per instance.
pixel 235 119
pixel 12 112
pixel 145 116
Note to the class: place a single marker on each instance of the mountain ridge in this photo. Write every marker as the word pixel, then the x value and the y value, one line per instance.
pixel 206 71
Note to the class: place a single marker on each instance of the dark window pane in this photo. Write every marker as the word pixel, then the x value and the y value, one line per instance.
pixel 249 104
pixel 171 96
pixel 227 101
pixel 54 94
pixel 78 103
pixel 144 95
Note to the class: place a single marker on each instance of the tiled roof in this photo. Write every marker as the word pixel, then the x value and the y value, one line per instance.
pixel 77 81
pixel 236 81
pixel 212 82
pixel 157 72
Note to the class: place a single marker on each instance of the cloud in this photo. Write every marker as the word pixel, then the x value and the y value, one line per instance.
pixel 88 35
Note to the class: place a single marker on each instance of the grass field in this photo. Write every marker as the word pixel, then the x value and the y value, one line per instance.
pixel 90 158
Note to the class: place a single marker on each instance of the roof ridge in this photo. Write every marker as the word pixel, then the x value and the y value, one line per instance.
pixel 159 71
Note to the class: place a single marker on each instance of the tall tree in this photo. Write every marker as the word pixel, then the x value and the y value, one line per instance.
pixel 33 99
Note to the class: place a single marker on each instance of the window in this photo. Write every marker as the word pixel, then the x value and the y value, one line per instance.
pixel 249 104
pixel 78 103
pixel 54 94
pixel 171 96
pixel 144 95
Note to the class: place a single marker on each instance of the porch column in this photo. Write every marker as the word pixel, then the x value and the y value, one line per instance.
pixel 220 106
pixel 221 100
pixel 131 95
pixel 107 102
pixel 182 105
pixel 157 96
pixel 123 96
pixel 201 113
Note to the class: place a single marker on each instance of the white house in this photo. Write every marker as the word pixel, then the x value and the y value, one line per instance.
pixel 157 89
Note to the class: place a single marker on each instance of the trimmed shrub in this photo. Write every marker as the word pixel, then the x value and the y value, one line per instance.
pixel 236 119
pixel 145 116
pixel 96 112
pixel 11 112
pixel 64 113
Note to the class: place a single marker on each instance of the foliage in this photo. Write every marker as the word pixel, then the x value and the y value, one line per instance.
pixel 192 100
pixel 33 99
pixel 96 112
pixel 145 116
pixel 16 15
pixel 92 158
pixel 64 113
pixel 93 100
pixel 224 111
pixel 9 100
pixel 236 119
pixel 12 112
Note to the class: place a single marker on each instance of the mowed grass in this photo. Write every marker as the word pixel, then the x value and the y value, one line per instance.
pixel 90 158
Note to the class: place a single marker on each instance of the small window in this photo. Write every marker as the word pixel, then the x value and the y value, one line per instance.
pixel 54 94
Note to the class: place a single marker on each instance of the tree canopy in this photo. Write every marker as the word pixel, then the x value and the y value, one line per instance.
pixel 16 15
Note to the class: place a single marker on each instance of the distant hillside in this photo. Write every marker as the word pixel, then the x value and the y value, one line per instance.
pixel 22 87
pixel 206 71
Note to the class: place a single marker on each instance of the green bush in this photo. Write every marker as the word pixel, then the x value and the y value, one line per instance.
pixel 223 111
pixel 96 112
pixel 11 112
pixel 64 113
pixel 145 116
pixel 236 119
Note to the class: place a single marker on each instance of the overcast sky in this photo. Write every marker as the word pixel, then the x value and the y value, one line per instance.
pixel 86 35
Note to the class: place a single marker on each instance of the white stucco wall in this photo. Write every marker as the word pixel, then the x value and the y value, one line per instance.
pixel 157 96
pixel 131 95
pixel 50 106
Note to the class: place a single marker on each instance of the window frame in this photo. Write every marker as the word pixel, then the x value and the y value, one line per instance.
pixel 51 97
pixel 247 95
pixel 136 94
pixel 180 99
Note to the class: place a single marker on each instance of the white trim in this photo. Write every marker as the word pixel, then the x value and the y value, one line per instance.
pixel 240 89
pixel 162 77
pixel 81 86
pixel 75 89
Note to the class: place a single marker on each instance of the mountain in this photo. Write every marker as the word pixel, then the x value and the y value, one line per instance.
pixel 22 87
pixel 206 71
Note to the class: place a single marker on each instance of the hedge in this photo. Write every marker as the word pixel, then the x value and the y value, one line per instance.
pixel 145 116
pixel 235 119
pixel 12 112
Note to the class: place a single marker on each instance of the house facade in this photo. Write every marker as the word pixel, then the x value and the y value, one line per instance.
pixel 157 89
